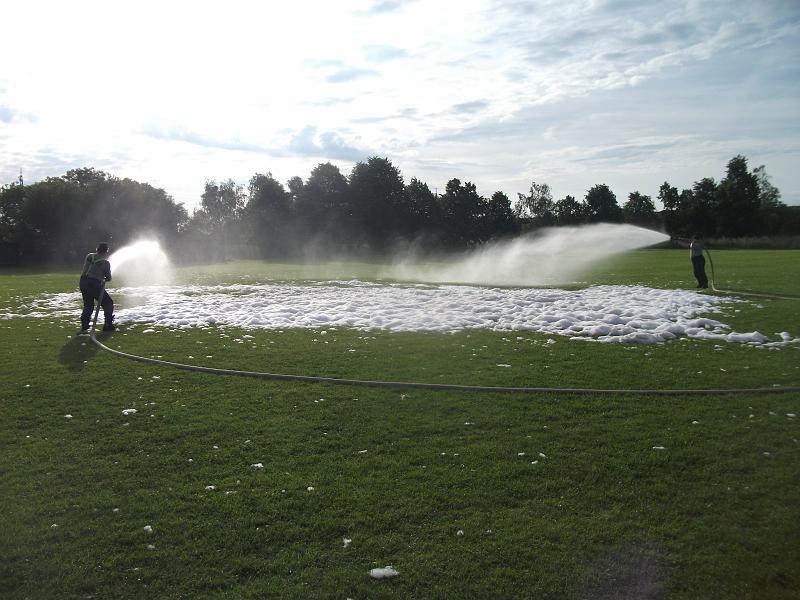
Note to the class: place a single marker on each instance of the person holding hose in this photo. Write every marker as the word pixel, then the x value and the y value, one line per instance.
pixel 96 269
pixel 696 248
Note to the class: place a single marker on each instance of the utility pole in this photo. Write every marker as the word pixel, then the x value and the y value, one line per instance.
pixel 21 183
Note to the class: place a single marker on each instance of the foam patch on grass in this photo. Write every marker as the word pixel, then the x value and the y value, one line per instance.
pixel 605 314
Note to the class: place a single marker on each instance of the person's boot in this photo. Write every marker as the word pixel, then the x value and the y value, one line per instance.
pixel 109 325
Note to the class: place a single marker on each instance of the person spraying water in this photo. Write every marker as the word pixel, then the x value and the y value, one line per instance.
pixel 696 248
pixel 96 271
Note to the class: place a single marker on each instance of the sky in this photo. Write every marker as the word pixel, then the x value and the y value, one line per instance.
pixel 501 93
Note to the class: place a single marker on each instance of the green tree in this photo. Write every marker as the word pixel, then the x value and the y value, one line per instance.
pixel 223 203
pixel 12 229
pixel 295 185
pixel 463 211
pixel 640 210
pixel 769 202
pixel 699 207
pixel 737 205
pixel 501 218
pixel 267 215
pixel 220 213
pixel 324 210
pixel 600 205
pixel 537 206
pixel 672 213
pixel 87 177
pixel 132 210
pixel 380 202
pixel 61 218
pixel 568 211
pixel 423 208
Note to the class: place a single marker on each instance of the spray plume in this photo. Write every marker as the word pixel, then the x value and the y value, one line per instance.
pixel 140 264
pixel 552 256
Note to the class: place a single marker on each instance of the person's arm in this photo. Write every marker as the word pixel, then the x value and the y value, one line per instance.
pixel 107 273
pixel 86 264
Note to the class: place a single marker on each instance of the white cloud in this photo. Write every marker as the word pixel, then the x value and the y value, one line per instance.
pixel 497 92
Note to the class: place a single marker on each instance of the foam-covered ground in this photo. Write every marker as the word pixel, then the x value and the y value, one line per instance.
pixel 608 313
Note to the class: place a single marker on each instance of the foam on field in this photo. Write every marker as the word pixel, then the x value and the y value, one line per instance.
pixel 606 313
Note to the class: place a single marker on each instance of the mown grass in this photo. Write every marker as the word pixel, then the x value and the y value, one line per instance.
pixel 401 473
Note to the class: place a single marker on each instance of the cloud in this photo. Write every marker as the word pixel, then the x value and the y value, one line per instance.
pixel 52 162
pixel 408 112
pixel 307 143
pixel 348 74
pixel 380 7
pixel 323 63
pixel 192 137
pixel 11 115
pixel 433 164
pixel 6 113
pixel 471 107
pixel 615 6
pixel 522 126
pixel 331 101
pixel 341 72
pixel 566 92
pixel 380 53
pixel 633 150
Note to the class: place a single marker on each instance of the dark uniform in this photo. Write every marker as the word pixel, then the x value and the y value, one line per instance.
pixel 698 262
pixel 96 269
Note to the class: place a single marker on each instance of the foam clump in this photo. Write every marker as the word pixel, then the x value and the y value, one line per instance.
pixel 605 314
pixel 602 314
pixel 385 572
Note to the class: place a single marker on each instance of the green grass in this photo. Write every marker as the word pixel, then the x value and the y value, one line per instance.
pixel 713 515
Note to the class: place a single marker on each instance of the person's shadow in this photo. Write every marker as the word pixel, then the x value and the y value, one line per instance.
pixel 77 352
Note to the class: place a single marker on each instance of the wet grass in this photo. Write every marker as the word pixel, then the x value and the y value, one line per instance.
pixel 604 513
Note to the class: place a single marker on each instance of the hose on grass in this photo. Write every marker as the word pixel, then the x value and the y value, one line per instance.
pixel 740 293
pixel 429 386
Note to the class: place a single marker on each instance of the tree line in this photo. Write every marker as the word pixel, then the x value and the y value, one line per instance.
pixel 369 212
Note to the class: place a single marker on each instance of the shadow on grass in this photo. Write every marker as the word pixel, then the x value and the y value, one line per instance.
pixel 630 571
pixel 77 352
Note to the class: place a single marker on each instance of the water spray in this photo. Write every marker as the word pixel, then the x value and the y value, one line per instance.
pixel 551 256
pixel 127 255
pixel 141 263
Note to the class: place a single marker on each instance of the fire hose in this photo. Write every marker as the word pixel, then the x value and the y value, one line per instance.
pixel 429 386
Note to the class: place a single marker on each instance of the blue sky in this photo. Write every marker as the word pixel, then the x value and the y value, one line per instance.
pixel 498 92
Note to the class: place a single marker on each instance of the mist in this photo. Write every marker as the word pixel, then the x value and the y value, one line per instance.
pixel 553 256
pixel 141 263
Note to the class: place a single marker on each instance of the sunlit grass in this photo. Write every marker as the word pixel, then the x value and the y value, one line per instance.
pixel 399 473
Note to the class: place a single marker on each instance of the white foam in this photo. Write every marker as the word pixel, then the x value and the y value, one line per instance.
pixel 387 571
pixel 605 314
pixel 624 314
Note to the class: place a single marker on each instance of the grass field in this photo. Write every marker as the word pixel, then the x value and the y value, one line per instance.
pixel 466 495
